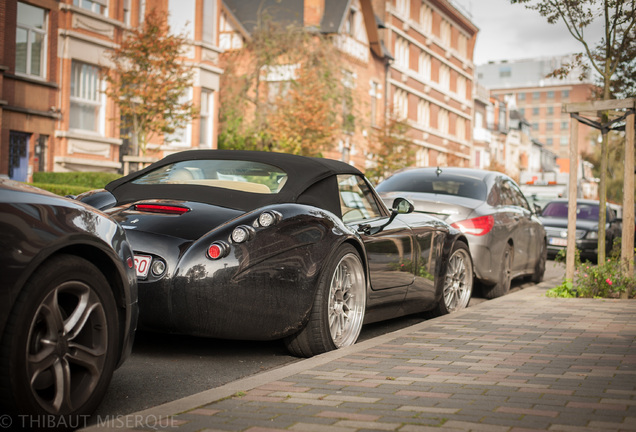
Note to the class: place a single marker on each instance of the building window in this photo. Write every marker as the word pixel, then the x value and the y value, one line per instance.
pixel 402 7
pixel 209 16
pixel 535 126
pixel 536 95
pixel 460 128
pixel 551 94
pixel 402 52
pixel 444 77
pixel 550 110
pixel 535 111
pixel 181 17
pixel 442 121
pixel 445 33
pixel 505 72
pixel 30 50
pixel 205 116
pixel 565 94
pixel 142 11
pixel 522 111
pixel 426 18
pixel 181 137
pixel 462 46
pixel 563 140
pixel 549 126
pixel 86 98
pixel 424 66
pixel 423 113
pixel 461 87
pixel 400 104
pixel 421 157
pixel 564 125
pixel 521 96
pixel 549 141
pixel 97 6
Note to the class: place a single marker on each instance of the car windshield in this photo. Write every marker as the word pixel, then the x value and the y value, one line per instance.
pixel 445 184
pixel 244 176
pixel 583 211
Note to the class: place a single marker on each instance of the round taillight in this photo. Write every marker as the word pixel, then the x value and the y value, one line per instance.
pixel 266 219
pixel 130 262
pixel 218 250
pixel 158 267
pixel 241 234
pixel 215 251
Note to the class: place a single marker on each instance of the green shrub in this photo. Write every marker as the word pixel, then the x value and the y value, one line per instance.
pixel 86 180
pixel 61 189
pixel 603 280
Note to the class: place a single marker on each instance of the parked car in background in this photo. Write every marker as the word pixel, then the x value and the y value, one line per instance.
pixel 506 238
pixel 265 246
pixel 68 306
pixel 555 219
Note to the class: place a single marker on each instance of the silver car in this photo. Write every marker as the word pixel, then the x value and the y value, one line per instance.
pixel 505 236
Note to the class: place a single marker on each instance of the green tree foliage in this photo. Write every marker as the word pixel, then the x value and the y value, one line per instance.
pixel 148 81
pixel 281 92
pixel 392 150
pixel 610 57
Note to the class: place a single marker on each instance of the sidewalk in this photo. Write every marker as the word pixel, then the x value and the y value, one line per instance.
pixel 522 362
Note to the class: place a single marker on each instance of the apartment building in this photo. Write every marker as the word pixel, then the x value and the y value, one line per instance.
pixel 539 99
pixel 54 114
pixel 430 82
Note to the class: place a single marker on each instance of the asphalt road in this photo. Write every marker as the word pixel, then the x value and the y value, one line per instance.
pixel 164 368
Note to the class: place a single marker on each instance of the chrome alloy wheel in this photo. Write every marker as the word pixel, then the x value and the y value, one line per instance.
pixel 347 299
pixel 458 285
pixel 67 347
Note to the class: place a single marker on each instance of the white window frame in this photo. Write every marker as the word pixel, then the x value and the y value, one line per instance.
pixel 186 132
pixel 87 91
pixel 179 9
pixel 443 123
pixel 99 7
pixel 460 128
pixel 401 104
pixel 402 52
pixel 426 18
pixel 403 7
pixel 444 77
pixel 424 65
pixel 461 87
pixel 31 33
pixel 445 32
pixel 206 118
pixel 424 113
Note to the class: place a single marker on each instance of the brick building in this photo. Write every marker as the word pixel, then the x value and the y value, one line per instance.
pixel 54 115
pixel 431 81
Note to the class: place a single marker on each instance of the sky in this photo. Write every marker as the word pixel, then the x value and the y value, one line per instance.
pixel 513 32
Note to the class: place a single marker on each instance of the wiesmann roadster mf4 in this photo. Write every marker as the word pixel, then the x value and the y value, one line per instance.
pixel 263 246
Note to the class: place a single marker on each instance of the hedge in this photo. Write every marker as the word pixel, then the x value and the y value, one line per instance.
pixel 72 183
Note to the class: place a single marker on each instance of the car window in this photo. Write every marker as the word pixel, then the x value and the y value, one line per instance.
pixel 357 201
pixel 443 184
pixel 244 176
pixel 518 198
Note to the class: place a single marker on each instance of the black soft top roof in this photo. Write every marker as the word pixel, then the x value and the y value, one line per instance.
pixel 310 181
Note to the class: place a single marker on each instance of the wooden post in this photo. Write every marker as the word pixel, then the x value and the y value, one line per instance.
pixel 572 196
pixel 627 240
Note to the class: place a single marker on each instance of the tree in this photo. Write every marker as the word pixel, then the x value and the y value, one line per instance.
pixel 280 92
pixel 609 58
pixel 148 82
pixel 392 150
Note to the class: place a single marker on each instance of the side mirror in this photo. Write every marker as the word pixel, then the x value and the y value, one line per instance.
pixel 537 209
pixel 402 206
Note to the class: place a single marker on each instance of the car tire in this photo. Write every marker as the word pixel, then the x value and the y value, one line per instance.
pixel 539 268
pixel 502 287
pixel 338 310
pixel 60 345
pixel 458 282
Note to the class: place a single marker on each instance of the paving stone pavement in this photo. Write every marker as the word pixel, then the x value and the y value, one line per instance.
pixel 523 362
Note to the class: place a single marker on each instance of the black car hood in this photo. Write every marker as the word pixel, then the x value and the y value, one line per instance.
pixel 191 225
pixel 563 223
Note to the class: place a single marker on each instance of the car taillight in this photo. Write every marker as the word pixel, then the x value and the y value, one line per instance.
pixel 477 226
pixel 161 208
pixel 218 250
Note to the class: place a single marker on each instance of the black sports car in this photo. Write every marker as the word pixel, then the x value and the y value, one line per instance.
pixel 264 246
pixel 68 307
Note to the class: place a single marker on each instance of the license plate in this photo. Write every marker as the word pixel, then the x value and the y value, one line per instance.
pixel 558 241
pixel 142 265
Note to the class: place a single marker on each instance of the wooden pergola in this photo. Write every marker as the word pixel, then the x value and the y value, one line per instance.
pixel 627 109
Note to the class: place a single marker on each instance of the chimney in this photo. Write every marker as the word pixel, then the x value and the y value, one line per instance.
pixel 314 10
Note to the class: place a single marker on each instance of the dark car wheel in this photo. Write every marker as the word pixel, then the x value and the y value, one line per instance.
pixel 539 268
pixel 59 348
pixel 338 309
pixel 503 285
pixel 458 282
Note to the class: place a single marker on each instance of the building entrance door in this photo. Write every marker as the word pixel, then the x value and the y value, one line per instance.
pixel 18 156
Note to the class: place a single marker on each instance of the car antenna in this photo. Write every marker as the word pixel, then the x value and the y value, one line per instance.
pixel 438 171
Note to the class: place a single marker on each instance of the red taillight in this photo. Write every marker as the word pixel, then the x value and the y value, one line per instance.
pixel 218 250
pixel 161 208
pixel 478 226
pixel 130 262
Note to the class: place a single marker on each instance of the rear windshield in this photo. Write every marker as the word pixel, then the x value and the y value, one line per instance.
pixel 244 176
pixel 444 184
pixel 583 211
